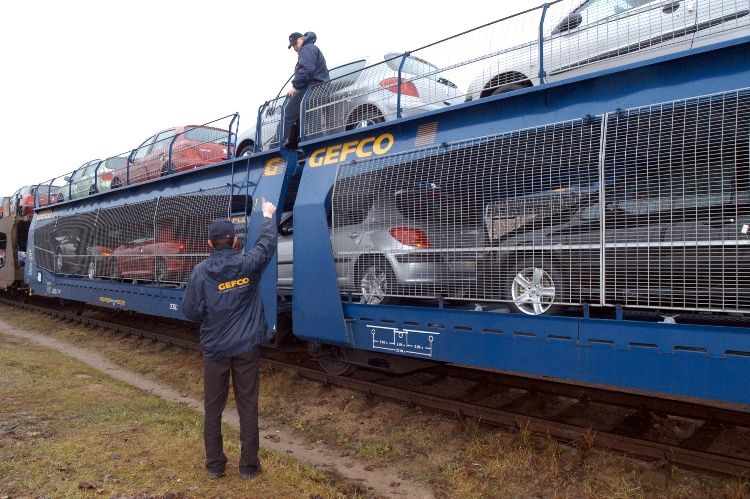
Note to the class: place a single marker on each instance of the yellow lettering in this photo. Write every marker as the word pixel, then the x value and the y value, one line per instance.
pixel 332 155
pixel 361 153
pixel 378 147
pixel 315 158
pixel 222 286
pixel 347 148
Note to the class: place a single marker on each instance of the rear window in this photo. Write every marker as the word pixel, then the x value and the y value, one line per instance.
pixel 205 135
pixel 425 205
pixel 414 66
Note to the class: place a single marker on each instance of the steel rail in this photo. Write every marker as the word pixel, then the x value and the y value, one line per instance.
pixel 641 448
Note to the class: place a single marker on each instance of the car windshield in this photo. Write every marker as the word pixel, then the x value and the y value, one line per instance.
pixel 206 135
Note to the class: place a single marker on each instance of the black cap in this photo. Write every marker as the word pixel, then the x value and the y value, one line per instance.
pixel 293 39
pixel 221 229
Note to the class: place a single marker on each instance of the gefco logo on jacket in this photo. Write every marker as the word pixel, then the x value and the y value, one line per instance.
pixel 361 149
pixel 236 283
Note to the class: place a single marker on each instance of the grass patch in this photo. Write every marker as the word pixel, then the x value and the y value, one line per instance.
pixel 68 430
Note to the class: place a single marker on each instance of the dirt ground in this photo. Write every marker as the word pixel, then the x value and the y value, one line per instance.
pixel 451 458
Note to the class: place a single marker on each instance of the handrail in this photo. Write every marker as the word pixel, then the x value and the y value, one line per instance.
pixel 400 80
pixel 541 42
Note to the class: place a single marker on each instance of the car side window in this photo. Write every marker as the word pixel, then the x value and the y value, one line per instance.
pixel 597 10
pixel 144 148
pixel 348 73
pixel 163 140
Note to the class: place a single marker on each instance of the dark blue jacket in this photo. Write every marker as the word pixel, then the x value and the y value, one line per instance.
pixel 222 294
pixel 311 65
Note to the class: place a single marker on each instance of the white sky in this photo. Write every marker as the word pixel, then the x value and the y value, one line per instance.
pixel 85 79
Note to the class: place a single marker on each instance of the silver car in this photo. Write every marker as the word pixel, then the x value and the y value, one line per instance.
pixel 384 248
pixel 599 34
pixel 360 93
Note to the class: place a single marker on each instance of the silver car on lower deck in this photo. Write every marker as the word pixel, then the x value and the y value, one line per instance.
pixel 383 250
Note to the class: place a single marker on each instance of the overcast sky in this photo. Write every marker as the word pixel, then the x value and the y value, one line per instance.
pixel 91 79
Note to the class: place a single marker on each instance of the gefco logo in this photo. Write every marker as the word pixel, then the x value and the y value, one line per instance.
pixel 361 149
pixel 273 166
pixel 225 286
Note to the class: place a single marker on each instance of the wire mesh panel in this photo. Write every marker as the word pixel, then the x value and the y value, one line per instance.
pixel 496 58
pixel 271 123
pixel 601 30
pixel 720 16
pixel 541 44
pixel 511 217
pixel 358 95
pixel 159 241
pixel 677 218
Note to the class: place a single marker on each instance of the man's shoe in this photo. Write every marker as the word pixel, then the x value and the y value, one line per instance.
pixel 215 475
pixel 248 475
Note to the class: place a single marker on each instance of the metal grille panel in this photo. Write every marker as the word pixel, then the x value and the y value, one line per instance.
pixel 677 214
pixel 156 241
pixel 545 43
pixel 464 221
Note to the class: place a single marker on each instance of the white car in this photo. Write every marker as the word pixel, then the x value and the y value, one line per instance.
pixel 599 34
pixel 360 93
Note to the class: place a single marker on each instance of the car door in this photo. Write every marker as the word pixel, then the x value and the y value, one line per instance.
pixel 138 160
pixel 157 160
pixel 720 19
pixel 285 253
pixel 615 32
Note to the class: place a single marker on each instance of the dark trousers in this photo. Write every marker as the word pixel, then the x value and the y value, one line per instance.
pixel 291 118
pixel 245 382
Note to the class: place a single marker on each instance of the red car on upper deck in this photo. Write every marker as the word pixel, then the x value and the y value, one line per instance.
pixel 175 150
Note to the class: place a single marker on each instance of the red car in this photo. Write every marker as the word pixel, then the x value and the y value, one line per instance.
pixel 192 147
pixel 164 258
pixel 22 202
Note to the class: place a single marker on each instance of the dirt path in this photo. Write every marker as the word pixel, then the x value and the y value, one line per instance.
pixel 381 481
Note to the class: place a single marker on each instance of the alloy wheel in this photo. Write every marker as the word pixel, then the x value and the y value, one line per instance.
pixel 533 291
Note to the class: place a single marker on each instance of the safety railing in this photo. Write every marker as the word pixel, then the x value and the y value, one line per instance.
pixel 555 40
pixel 158 241
pixel 171 151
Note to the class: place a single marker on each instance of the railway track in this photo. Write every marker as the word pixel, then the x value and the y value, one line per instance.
pixel 682 433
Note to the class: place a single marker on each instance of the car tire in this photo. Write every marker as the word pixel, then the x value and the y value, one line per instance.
pixel 532 289
pixel 92 190
pixel 116 183
pixel 115 269
pixel 59 262
pixel 370 116
pixel 164 171
pixel 375 282
pixel 246 150
pixel 161 271
pixel 91 269
pixel 504 89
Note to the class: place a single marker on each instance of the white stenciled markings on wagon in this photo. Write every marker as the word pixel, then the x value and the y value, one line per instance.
pixel 409 341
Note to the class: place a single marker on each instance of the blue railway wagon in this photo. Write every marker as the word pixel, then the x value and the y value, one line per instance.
pixel 703 361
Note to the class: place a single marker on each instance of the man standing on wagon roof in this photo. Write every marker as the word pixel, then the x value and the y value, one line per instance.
pixel 310 69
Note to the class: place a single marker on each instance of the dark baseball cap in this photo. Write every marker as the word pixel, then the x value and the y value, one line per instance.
pixel 221 228
pixel 293 39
